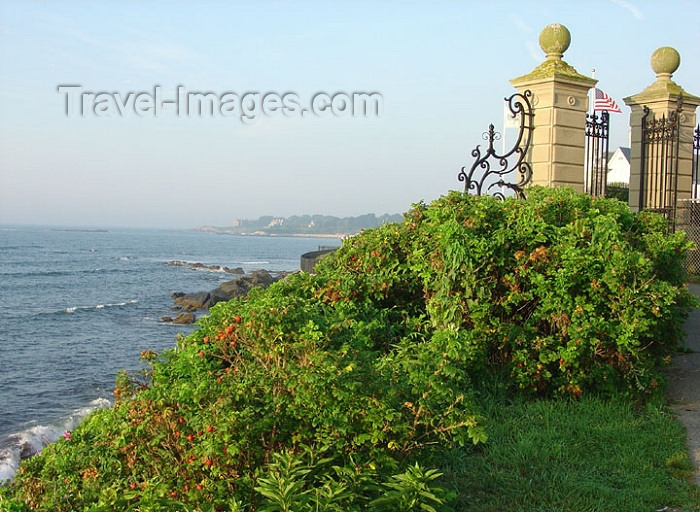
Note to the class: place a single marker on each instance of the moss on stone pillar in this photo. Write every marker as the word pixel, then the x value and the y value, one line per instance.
pixel 661 97
pixel 560 102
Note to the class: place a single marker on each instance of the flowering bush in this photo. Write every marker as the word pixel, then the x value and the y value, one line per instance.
pixel 566 292
pixel 320 392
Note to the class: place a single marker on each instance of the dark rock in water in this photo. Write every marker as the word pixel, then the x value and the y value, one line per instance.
pixel 230 289
pixel 241 286
pixel 202 266
pixel 166 319
pixel 193 301
pixel 184 318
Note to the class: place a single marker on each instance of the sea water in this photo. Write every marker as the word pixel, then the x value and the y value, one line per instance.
pixel 78 306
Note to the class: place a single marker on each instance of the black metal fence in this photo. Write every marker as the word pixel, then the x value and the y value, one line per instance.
pixel 596 153
pixel 688 210
pixel 658 189
pixel 696 162
pixel 688 220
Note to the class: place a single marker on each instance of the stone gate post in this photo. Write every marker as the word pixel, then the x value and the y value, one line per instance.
pixel 661 98
pixel 560 102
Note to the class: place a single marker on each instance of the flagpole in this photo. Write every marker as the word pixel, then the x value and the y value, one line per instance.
pixel 588 173
pixel 591 100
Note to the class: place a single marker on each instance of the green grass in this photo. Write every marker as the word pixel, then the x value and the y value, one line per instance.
pixel 569 456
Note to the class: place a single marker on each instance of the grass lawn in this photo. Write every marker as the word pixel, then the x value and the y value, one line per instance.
pixel 586 455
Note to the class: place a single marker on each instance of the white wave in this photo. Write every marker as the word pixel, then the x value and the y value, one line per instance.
pixel 73 309
pixel 22 445
pixel 255 262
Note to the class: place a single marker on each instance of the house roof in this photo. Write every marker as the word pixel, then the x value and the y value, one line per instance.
pixel 625 153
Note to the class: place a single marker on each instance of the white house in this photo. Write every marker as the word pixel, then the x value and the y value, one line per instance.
pixel 619 166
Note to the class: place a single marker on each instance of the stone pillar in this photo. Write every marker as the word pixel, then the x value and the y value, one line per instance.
pixel 661 98
pixel 560 102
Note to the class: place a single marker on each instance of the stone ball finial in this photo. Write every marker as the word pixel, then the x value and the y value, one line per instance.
pixel 555 40
pixel 665 62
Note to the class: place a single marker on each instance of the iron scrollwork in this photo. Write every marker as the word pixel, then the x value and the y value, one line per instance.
pixel 493 179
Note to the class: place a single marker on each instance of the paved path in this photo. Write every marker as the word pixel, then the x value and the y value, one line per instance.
pixel 684 384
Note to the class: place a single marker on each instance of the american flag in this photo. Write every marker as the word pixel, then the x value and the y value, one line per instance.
pixel 604 102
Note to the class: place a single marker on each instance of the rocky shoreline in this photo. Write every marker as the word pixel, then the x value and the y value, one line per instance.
pixel 187 303
pixel 202 266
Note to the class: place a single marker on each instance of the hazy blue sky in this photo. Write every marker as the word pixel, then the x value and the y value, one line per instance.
pixel 442 69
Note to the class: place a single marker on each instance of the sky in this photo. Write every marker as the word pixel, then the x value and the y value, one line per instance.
pixel 442 69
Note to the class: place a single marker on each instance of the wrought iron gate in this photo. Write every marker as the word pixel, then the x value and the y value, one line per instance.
pixel 503 179
pixel 658 188
pixel 596 151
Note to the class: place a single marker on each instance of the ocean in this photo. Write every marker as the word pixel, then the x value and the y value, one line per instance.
pixel 78 306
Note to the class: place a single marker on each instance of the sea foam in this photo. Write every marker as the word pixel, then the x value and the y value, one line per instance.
pixel 31 441
pixel 73 309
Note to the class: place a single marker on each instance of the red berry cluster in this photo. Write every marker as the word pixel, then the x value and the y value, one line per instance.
pixel 228 334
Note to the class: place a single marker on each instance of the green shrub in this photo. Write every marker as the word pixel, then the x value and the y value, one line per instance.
pixel 568 292
pixel 619 191
pixel 322 390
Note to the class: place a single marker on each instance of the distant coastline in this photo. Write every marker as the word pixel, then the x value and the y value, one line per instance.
pixel 339 236
pixel 317 226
